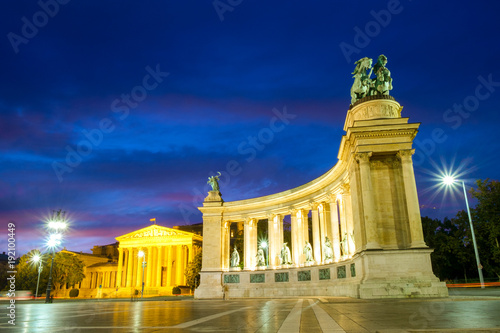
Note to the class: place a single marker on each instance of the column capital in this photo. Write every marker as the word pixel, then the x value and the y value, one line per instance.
pixel 346 189
pixel 293 211
pixel 313 205
pixel 405 155
pixel 249 221
pixel 363 157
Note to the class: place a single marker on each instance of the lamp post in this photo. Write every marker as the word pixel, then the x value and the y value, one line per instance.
pixel 449 180
pixel 142 255
pixel 56 225
pixel 37 260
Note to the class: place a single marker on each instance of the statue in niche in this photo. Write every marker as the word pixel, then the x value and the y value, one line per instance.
pixel 214 182
pixel 261 259
pixel 344 245
pixel 328 249
pixel 308 251
pixel 364 85
pixel 285 257
pixel 235 258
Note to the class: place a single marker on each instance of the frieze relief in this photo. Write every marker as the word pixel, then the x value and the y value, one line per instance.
pixel 377 111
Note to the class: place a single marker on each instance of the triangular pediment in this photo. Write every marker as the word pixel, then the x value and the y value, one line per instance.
pixel 155 231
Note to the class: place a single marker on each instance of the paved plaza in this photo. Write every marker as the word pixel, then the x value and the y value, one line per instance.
pixel 455 314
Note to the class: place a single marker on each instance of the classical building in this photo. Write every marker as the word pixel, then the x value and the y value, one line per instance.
pixel 367 239
pixel 115 270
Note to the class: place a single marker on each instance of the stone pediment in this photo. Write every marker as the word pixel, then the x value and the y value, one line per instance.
pixel 155 231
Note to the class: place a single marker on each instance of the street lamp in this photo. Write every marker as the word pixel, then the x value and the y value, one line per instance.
pixel 142 255
pixel 450 180
pixel 56 225
pixel 263 244
pixel 37 259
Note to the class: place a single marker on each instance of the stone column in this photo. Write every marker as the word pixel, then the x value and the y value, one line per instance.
pixel 250 243
pixel 178 265
pixel 159 266
pixel 129 269
pixel 344 244
pixel 295 238
pixel 226 237
pixel 247 261
pixel 349 224
pixel 120 265
pixel 169 266
pixel 302 229
pixel 149 267
pixel 334 221
pixel 327 219
pixel 275 242
pixel 370 217
pixel 133 259
pixel 304 220
pixel 415 221
pixel 138 261
pixel 316 233
pixel 322 229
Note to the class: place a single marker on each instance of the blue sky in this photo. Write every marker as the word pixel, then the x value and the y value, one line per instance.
pixel 156 96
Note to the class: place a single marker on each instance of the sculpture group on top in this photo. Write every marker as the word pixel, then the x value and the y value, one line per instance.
pixel 364 85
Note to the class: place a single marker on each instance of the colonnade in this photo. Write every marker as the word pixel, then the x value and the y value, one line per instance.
pixel 332 219
pixel 105 279
pixel 164 265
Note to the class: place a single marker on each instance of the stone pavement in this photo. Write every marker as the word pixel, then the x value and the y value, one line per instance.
pixel 454 314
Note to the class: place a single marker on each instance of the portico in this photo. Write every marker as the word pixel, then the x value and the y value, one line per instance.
pixel 167 253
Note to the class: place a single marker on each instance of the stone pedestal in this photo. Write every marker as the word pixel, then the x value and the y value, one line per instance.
pixel 211 272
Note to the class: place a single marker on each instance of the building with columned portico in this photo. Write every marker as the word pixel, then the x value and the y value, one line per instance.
pixel 115 270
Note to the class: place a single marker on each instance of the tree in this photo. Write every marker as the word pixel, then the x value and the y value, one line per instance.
pixel 68 269
pixel 486 220
pixel 27 273
pixel 453 255
pixel 192 272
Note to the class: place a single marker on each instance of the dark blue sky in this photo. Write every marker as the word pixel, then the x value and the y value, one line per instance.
pixel 118 111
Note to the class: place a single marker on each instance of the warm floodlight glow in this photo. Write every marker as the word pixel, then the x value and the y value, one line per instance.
pixel 263 244
pixel 339 197
pixel 141 254
pixel 448 180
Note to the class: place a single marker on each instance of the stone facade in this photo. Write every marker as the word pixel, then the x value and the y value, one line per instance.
pixel 367 205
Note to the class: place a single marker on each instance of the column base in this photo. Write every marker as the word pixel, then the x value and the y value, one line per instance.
pixel 373 246
pixel 210 286
pixel 418 245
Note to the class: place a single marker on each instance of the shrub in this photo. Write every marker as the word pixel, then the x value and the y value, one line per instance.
pixel 176 291
pixel 74 292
